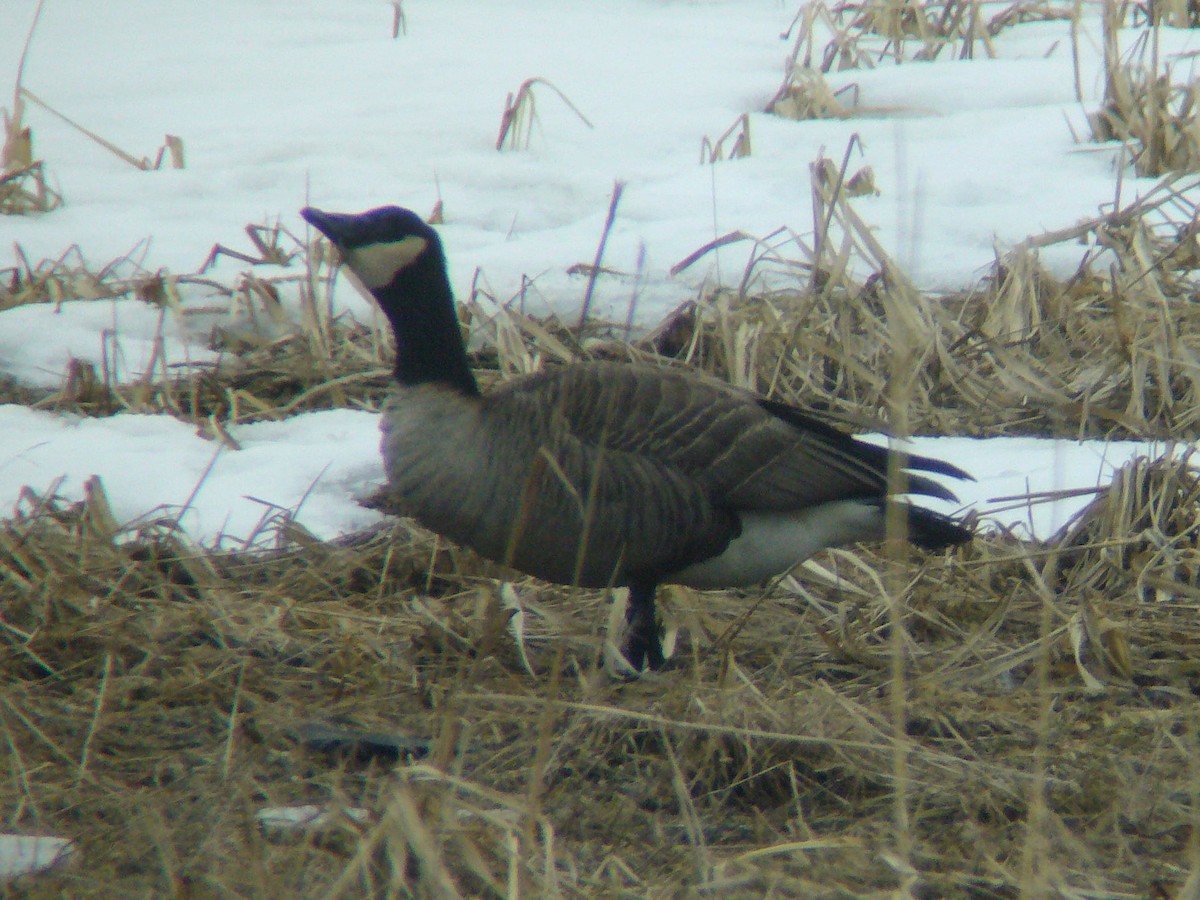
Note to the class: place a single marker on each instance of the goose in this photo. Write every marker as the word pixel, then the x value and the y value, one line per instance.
pixel 601 474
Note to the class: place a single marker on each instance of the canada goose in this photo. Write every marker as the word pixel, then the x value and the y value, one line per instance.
pixel 599 474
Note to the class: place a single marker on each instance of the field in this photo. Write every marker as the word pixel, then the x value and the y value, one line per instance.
pixel 1012 718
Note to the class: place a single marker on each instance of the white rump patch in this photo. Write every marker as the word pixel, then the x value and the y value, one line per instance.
pixel 771 543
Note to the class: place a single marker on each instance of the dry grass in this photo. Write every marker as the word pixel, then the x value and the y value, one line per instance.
pixel 23 187
pixel 273 362
pixel 1172 13
pixel 1007 719
pixel 932 27
pixel 171 149
pixel 520 114
pixel 738 134
pixel 23 183
pixel 1113 351
pixel 805 94
pixel 156 697
pixel 854 35
pixel 1144 105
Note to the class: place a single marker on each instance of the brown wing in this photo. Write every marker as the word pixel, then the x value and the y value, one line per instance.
pixel 746 453
pixel 633 512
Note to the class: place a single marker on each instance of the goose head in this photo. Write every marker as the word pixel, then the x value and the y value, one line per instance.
pixel 398 259
pixel 381 244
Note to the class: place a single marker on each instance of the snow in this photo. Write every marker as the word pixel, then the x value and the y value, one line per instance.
pixel 308 817
pixel 92 330
pixel 314 464
pixel 25 854
pixel 280 104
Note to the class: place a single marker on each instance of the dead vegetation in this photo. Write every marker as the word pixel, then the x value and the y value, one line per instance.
pixel 171 149
pixel 1020 719
pixel 1145 105
pixel 157 696
pixel 23 187
pixel 520 114
pixel 851 35
pixel 1112 351
pixel 834 37
pixel 1007 720
pixel 277 357
pixel 23 179
pixel 738 134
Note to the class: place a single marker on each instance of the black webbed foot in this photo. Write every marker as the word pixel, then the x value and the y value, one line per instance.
pixel 635 638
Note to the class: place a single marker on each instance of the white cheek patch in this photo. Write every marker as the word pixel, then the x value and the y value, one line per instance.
pixel 377 264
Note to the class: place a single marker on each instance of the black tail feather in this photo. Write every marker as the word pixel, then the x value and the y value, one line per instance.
pixel 933 531
pixel 872 454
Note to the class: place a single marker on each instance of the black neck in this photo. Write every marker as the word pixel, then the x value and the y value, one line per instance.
pixel 420 307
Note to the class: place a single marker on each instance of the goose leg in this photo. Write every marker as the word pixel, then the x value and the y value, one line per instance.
pixel 643 639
